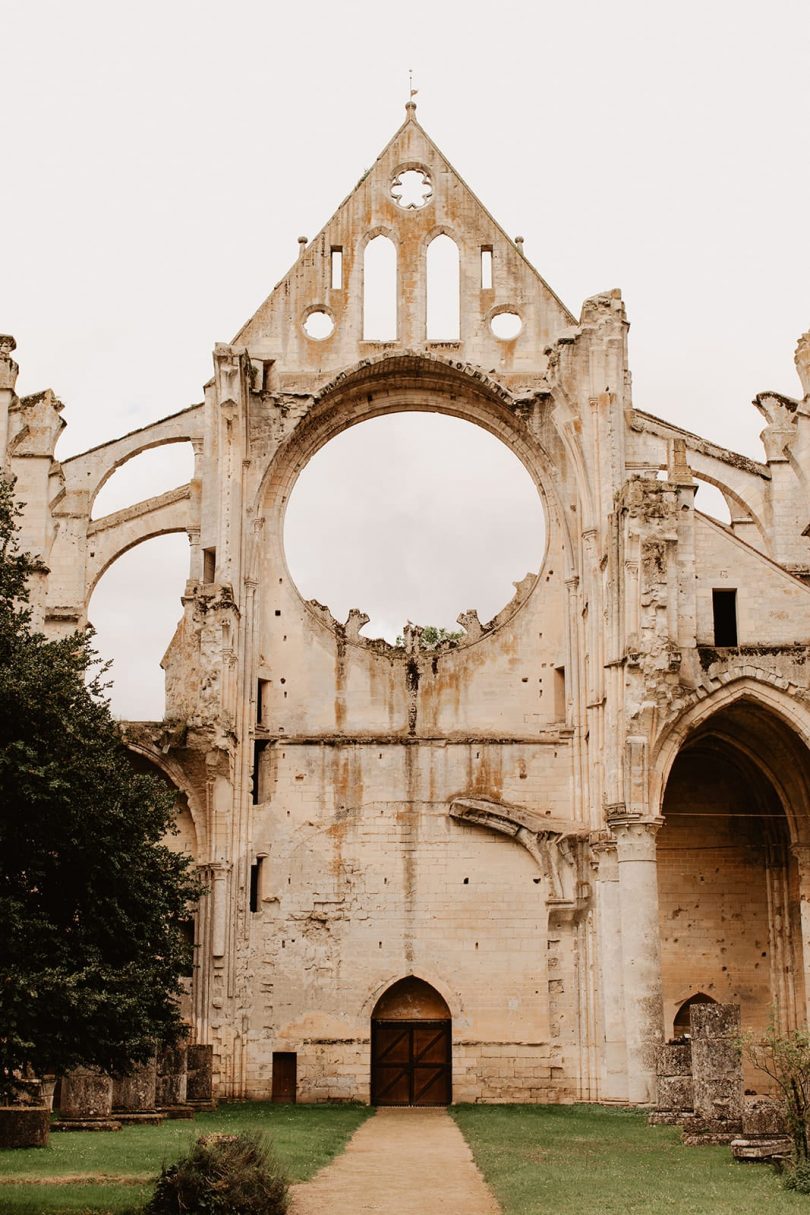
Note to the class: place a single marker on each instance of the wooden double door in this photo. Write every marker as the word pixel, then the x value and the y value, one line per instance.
pixel 411 1063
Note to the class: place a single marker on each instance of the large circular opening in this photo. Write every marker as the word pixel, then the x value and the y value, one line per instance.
pixel 413 517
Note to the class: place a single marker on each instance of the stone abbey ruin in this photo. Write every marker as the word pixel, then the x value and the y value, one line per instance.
pixel 505 867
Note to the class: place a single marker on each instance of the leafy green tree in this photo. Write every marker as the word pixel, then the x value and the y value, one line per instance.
pixel 430 637
pixel 92 903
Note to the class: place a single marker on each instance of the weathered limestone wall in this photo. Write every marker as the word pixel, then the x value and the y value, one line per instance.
pixel 358 889
pixel 771 605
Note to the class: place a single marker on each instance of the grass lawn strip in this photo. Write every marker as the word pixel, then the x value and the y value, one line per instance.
pixel 79 1179
pixel 597 1160
pixel 305 1138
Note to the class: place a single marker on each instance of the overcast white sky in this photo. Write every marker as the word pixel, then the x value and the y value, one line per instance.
pixel 160 161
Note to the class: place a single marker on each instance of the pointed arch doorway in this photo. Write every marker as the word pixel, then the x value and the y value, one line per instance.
pixel 411 1037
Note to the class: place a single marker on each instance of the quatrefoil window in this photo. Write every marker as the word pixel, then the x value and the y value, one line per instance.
pixel 411 189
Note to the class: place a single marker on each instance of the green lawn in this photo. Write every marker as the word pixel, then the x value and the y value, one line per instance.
pixel 595 1160
pixel 305 1137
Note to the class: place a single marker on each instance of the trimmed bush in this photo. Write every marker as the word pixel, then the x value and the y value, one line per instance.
pixel 222 1175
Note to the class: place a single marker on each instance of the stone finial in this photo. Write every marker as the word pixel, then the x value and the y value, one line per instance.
pixel 471 624
pixel 302 246
pixel 802 359
pixel 354 623
pixel 780 413
pixel 8 368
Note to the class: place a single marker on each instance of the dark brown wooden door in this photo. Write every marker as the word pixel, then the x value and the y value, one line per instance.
pixel 284 1077
pixel 410 1063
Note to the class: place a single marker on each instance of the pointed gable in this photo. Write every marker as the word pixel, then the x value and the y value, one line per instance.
pixel 411 195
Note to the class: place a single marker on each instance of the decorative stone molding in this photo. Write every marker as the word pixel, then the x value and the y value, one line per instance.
pixel 635 838
pixel 551 844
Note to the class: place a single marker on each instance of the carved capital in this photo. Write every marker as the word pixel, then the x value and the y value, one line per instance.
pixel 635 838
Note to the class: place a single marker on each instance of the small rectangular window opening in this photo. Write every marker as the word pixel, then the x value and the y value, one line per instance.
pixel 337 268
pixel 209 564
pixel 256 883
pixel 560 707
pixel 258 747
pixel 261 692
pixel 724 608
pixel 486 267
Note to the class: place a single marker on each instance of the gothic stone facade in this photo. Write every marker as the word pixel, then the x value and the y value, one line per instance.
pixel 589 810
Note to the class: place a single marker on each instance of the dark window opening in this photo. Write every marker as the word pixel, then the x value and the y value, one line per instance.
pixel 256 883
pixel 724 607
pixel 209 564
pixel 261 692
pixel 258 747
pixel 559 694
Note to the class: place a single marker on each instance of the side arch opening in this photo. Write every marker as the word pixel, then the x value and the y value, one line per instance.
pixel 443 287
pixel 146 474
pixel 134 608
pixel 411 1051
pixel 380 290
pixel 735 814
pixel 682 1024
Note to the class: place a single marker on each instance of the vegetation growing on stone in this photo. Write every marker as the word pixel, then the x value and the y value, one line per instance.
pixel 785 1058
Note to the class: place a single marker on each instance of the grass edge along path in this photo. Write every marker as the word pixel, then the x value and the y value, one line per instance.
pixel 604 1160
pixel 304 1137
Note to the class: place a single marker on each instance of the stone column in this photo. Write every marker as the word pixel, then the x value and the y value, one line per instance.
pixel 802 855
pixel 641 952
pixel 200 1063
pixel 613 1071
pixel 86 1095
pixel 172 1077
pixel 135 1093
pixel 717 1062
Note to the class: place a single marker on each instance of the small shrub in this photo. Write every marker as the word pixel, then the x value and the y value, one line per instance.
pixel 797 1177
pixel 222 1175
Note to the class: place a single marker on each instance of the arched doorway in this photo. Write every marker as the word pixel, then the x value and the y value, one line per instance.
pixel 734 808
pixel 411 1046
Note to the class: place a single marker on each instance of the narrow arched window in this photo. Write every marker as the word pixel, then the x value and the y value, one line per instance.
pixel 380 290
pixel 443 290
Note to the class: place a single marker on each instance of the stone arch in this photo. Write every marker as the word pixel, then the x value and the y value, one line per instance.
pixel 681 1022
pixel 443 312
pixel 761 689
pixel 380 285
pixel 118 460
pixel 449 997
pixel 735 499
pixel 402 383
pixel 114 542
pixel 152 758
pixel 411 1045
pixel 735 803
pixel 411 999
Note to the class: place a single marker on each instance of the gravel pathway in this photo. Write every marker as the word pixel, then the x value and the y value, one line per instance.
pixel 400 1162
